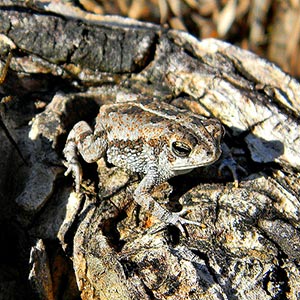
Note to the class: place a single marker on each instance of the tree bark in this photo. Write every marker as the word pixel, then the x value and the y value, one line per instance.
pixel 98 244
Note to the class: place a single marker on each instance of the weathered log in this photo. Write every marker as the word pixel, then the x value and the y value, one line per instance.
pixel 62 69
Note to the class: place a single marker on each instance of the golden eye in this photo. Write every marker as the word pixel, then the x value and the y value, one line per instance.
pixel 181 149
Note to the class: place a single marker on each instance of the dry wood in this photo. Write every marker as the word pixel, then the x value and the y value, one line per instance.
pixel 62 69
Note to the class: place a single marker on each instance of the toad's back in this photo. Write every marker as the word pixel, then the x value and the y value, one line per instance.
pixel 132 122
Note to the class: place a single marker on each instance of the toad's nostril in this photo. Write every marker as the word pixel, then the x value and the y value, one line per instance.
pixel 209 153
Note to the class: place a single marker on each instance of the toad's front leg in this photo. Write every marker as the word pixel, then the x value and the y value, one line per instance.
pixel 91 146
pixel 143 198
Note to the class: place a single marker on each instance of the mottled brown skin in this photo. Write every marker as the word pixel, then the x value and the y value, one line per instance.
pixel 154 139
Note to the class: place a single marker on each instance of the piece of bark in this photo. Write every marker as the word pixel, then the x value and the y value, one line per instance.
pixel 248 245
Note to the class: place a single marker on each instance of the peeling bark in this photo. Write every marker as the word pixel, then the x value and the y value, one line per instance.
pixel 62 69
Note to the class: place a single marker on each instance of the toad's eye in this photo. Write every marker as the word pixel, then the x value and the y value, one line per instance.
pixel 181 149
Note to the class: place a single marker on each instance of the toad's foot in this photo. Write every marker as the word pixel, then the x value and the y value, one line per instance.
pixel 229 162
pixel 91 147
pixel 233 167
pixel 166 216
pixel 74 167
pixel 180 222
pixel 72 163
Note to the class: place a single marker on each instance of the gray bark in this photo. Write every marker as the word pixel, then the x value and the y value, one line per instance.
pixel 97 244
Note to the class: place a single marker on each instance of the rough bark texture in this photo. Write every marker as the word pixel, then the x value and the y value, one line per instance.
pixel 97 245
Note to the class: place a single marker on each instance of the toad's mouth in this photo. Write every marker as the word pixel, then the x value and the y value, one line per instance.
pixel 191 167
pixel 186 167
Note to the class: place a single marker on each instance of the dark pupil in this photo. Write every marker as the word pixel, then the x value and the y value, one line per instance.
pixel 181 149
